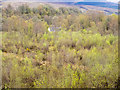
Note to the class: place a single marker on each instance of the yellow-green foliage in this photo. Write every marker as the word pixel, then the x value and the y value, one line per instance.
pixel 67 59
pixel 78 56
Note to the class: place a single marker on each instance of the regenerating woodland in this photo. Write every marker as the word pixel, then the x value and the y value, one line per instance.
pixel 83 54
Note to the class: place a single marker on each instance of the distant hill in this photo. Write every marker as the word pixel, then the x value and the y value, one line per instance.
pixel 107 7
pixel 98 4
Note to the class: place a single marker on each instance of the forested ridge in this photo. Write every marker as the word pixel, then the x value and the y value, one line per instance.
pixel 82 54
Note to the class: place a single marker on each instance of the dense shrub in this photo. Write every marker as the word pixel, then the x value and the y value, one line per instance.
pixel 83 54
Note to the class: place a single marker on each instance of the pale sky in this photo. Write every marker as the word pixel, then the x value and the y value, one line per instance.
pixel 66 0
pixel 113 0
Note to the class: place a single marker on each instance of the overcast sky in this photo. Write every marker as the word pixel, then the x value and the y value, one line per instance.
pixel 113 0
pixel 68 0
